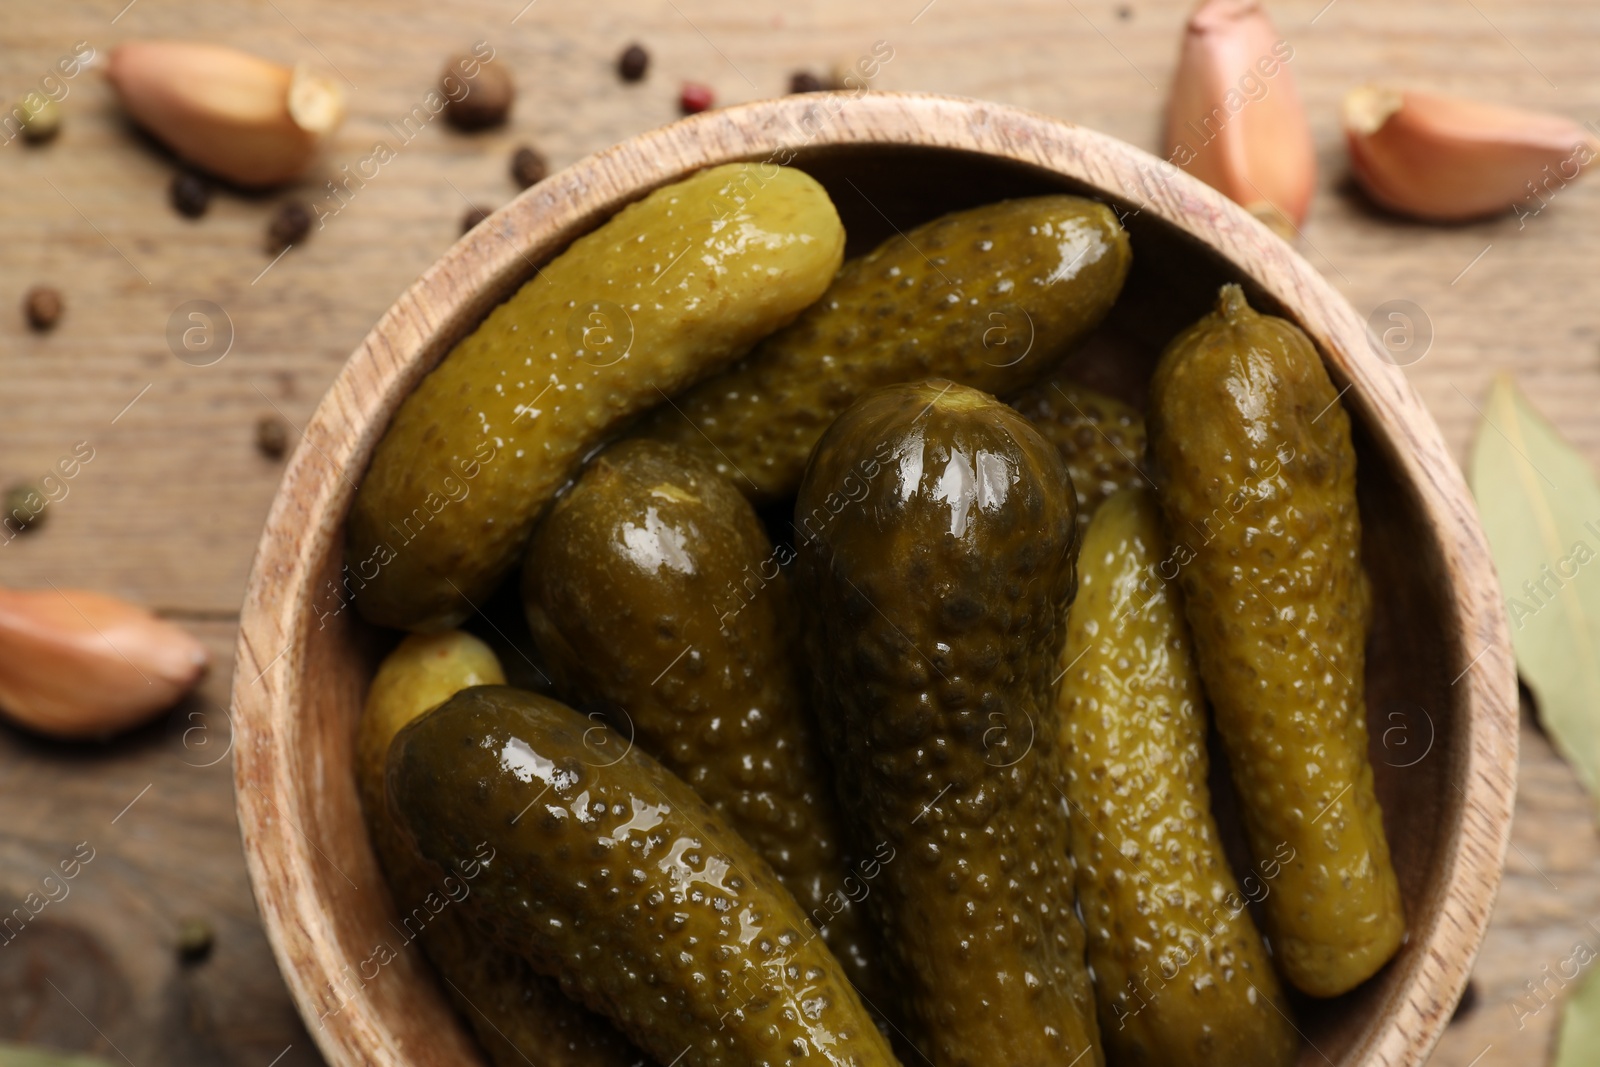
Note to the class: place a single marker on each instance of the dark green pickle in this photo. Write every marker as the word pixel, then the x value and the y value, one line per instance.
pixel 1251 450
pixel 521 1016
pixel 518 1015
pixel 1101 439
pixel 937 544
pixel 654 592
pixel 992 297
pixel 612 875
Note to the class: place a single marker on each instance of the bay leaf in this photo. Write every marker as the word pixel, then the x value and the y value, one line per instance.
pixel 39 1056
pixel 1539 503
pixel 1579 1042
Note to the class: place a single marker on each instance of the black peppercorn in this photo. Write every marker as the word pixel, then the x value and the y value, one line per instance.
pixel 272 437
pixel 479 102
pixel 289 226
pixel 528 167
pixel 1468 1002
pixel 473 216
pixel 42 305
pixel 633 62
pixel 191 194
pixel 803 81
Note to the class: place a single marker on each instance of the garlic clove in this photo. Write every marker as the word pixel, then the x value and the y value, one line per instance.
pixel 77 664
pixel 1234 117
pixel 243 118
pixel 316 103
pixel 1446 159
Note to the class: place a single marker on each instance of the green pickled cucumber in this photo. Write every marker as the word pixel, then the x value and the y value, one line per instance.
pixel 1181 974
pixel 1251 450
pixel 1101 439
pixel 937 543
pixel 519 1016
pixel 652 588
pixel 667 291
pixel 420 674
pixel 991 297
pixel 612 875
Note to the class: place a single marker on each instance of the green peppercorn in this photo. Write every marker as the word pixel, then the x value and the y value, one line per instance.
pixel 194 940
pixel 24 507
pixel 41 118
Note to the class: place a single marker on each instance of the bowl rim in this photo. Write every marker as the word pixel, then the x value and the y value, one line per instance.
pixel 276 621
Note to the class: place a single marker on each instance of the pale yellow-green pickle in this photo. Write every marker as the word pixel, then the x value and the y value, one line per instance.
pixel 670 289
pixel 1182 977
pixel 1251 449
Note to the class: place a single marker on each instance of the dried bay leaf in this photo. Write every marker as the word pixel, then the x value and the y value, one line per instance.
pixel 1579 1042
pixel 1539 503
pixel 39 1056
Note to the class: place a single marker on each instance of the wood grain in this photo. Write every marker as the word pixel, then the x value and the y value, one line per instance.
pixel 96 968
pixel 170 511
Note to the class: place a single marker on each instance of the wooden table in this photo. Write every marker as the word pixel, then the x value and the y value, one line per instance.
pixel 168 510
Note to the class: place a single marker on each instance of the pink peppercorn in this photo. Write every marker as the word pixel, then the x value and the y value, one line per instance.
pixel 695 98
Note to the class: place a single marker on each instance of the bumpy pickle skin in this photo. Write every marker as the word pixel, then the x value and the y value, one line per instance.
pixel 519 1016
pixel 1251 450
pixel 1182 977
pixel 1101 438
pixel 667 291
pixel 618 880
pixel 654 592
pixel 938 539
pixel 992 297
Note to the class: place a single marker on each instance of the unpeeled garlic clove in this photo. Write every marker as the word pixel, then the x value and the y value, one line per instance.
pixel 240 117
pixel 1446 159
pixel 1234 117
pixel 77 664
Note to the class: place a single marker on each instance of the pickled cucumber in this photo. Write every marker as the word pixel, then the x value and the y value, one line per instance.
pixel 666 292
pixel 652 589
pixel 421 673
pixel 937 543
pixel 1251 450
pixel 1101 439
pixel 519 1016
pixel 616 878
pixel 1181 975
pixel 992 297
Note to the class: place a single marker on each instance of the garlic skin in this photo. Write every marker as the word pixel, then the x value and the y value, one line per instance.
pixel 1447 159
pixel 76 664
pixel 242 118
pixel 1234 117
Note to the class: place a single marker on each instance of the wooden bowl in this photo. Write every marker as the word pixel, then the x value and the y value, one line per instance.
pixel 1441 681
